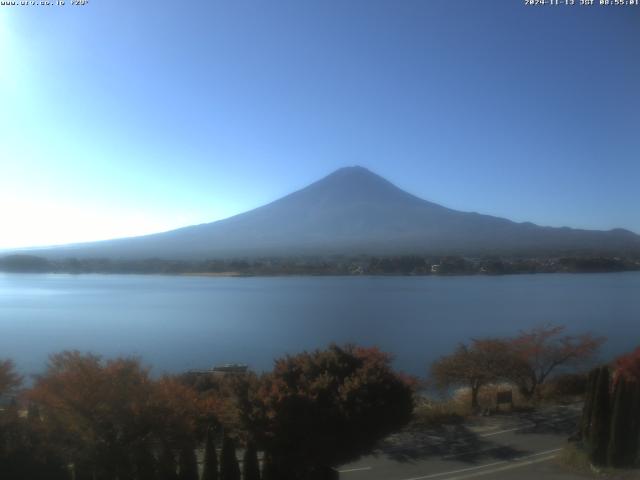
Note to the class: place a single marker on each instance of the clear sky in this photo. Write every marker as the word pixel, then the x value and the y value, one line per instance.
pixel 122 117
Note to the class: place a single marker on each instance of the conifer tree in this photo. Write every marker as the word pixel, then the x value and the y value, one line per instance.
pixel 269 470
pixel 167 465
pixel 250 466
pixel 600 420
pixel 145 464
pixel 188 463
pixel 634 423
pixel 210 471
pixel 619 432
pixel 229 468
pixel 587 410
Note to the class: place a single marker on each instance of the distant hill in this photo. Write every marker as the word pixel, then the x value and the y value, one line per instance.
pixel 354 211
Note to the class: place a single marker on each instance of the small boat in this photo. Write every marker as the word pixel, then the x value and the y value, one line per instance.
pixel 222 369
pixel 230 368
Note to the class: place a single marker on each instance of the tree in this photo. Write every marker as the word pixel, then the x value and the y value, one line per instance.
pixel 598 441
pixel 250 466
pixel 542 350
pixel 167 468
pixel 210 470
pixel 144 463
pixel 229 468
pixel 474 366
pixel 327 407
pixel 9 379
pixel 633 442
pixel 108 416
pixel 621 414
pixel 97 409
pixel 188 463
pixel 175 412
pixel 629 365
pixel 625 422
pixel 587 409
pixel 27 450
pixel 612 434
pixel 269 468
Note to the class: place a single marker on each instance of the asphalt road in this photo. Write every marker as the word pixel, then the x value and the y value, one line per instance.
pixel 501 447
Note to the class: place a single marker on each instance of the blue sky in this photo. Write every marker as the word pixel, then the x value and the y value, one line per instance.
pixel 121 118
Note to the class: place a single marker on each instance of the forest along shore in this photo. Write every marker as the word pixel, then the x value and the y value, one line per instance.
pixel 333 265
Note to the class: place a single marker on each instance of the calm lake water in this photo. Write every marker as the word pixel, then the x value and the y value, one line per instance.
pixel 178 323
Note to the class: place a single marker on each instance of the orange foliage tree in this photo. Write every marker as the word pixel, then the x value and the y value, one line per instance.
pixel 319 409
pixel 526 360
pixel 542 350
pixel 475 365
pixel 110 416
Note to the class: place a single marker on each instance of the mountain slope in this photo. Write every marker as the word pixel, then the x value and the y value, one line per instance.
pixel 355 211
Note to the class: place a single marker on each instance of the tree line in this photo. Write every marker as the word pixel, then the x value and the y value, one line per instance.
pixel 333 265
pixel 89 418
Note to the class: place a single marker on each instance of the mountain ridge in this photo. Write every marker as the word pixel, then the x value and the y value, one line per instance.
pixel 355 211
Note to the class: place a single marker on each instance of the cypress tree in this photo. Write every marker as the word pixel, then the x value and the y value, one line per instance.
pixel 274 469
pixel 145 464
pixel 600 420
pixel 250 466
pixel 633 437
pixel 124 468
pixel 82 471
pixel 587 410
pixel 619 425
pixel 269 470
pixel 188 463
pixel 229 468
pixel 210 471
pixel 167 465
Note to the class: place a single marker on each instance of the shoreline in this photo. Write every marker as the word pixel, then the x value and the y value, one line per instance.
pixel 233 274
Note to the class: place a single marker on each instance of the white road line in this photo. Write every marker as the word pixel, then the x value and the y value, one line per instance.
pixel 502 469
pixel 505 431
pixel 474 452
pixel 502 462
pixel 521 427
pixel 359 469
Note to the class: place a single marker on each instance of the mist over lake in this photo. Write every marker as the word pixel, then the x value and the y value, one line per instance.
pixel 177 323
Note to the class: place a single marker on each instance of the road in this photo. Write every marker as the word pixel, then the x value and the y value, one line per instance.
pixel 501 447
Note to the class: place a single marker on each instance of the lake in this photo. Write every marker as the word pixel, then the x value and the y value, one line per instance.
pixel 177 323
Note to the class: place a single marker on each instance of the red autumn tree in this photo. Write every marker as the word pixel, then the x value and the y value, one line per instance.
pixel 98 410
pixel 542 350
pixel 629 366
pixel 475 365
pixel 319 409
pixel 108 416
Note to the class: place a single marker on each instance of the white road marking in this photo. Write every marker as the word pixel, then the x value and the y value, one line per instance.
pixel 506 467
pixel 505 431
pixel 474 452
pixel 359 469
pixel 521 427
pixel 502 462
